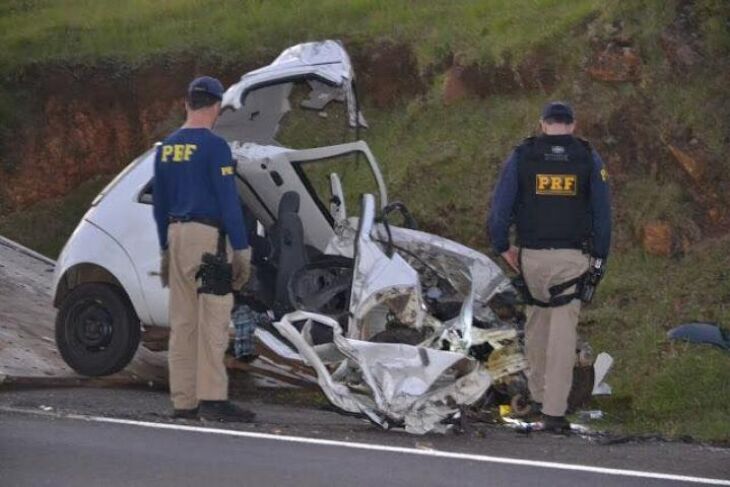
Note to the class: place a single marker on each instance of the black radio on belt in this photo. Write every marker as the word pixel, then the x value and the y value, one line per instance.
pixel 215 273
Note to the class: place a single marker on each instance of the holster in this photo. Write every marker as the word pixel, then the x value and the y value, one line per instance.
pixel 557 298
pixel 215 273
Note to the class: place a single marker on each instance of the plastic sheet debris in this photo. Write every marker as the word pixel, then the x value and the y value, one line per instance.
pixel 702 332
pixel 590 415
pixel 601 368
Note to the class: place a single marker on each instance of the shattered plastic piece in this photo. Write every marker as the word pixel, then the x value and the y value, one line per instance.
pixel 601 367
pixel 701 332
pixel 590 415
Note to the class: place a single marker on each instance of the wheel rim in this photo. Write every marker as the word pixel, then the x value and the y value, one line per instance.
pixel 90 326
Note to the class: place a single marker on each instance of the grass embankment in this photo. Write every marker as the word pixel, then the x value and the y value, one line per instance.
pixel 443 160
pixel 46 226
pixel 134 30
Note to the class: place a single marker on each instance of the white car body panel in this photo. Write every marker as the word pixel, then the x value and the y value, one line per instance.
pixel 91 245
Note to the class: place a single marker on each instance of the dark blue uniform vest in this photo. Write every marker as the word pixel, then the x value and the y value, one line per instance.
pixel 553 202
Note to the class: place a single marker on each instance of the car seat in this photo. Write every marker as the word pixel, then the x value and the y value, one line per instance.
pixel 289 253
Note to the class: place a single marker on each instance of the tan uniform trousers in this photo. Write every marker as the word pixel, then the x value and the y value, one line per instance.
pixel 198 322
pixel 551 333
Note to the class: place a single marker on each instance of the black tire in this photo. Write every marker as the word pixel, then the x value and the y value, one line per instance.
pixel 97 330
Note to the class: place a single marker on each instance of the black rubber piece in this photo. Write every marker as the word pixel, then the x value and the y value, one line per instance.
pixel 97 330
pixel 398 334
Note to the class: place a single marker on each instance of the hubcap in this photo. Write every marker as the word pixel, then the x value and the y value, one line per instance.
pixel 92 325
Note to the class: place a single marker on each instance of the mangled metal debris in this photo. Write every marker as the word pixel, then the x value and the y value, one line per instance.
pixel 393 384
pixel 446 356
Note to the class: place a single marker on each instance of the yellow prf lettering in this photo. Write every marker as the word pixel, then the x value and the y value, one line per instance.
pixel 166 152
pixel 179 153
pixel 227 170
pixel 569 183
pixel 556 184
pixel 189 149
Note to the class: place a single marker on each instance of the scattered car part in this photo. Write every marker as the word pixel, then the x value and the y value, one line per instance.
pixel 601 368
pixel 701 332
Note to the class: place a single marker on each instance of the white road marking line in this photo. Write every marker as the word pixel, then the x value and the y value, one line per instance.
pixel 382 448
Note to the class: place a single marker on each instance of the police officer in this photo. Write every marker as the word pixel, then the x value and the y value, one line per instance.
pixel 196 204
pixel 554 189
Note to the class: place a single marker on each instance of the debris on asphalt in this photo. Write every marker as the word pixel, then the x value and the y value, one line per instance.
pixel 590 415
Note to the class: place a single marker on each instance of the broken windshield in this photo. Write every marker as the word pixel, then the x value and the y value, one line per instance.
pixel 354 172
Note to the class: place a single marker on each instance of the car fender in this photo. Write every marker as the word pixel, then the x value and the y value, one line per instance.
pixel 91 246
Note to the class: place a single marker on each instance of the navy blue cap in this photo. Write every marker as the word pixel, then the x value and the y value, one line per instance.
pixel 558 111
pixel 206 84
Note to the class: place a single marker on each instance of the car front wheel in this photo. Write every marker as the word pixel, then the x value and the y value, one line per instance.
pixel 97 330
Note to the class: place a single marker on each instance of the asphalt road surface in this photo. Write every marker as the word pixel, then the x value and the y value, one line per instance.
pixel 57 450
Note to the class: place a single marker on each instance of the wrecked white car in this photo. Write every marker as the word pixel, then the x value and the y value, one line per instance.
pixel 396 324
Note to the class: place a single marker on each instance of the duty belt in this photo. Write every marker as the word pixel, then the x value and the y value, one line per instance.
pixel 211 222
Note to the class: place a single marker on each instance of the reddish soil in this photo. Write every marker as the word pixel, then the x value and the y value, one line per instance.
pixel 86 121
pixel 387 73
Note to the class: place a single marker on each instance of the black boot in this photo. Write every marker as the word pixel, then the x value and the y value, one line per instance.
pixel 555 424
pixel 185 413
pixel 224 412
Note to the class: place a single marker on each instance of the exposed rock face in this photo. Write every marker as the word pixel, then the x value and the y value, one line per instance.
pixel 531 74
pixel 696 161
pixel 615 63
pixel 680 41
pixel 387 73
pixel 88 121
pixel 658 238
pixel 680 51
pixel 454 86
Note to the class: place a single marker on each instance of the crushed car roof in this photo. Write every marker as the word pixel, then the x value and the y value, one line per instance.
pixel 325 60
pixel 252 109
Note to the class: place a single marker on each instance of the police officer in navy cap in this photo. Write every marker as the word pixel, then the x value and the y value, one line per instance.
pixel 198 211
pixel 554 189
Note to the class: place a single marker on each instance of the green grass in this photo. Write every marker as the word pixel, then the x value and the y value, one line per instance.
pixel 132 30
pixel 674 388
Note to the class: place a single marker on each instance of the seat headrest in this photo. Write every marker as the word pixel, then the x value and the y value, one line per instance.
pixel 289 203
